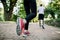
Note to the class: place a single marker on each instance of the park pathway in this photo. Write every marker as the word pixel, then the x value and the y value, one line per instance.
pixel 8 32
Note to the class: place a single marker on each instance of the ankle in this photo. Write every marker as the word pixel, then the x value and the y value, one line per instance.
pixel 25 30
pixel 24 21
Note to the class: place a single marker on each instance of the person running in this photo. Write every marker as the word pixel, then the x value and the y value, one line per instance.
pixel 41 15
pixel 31 12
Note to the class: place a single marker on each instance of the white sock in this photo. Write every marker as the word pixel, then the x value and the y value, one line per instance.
pixel 25 30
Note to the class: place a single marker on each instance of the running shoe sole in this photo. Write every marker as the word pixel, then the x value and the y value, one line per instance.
pixel 19 26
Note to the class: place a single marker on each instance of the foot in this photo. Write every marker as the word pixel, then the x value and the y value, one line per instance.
pixel 27 33
pixel 20 26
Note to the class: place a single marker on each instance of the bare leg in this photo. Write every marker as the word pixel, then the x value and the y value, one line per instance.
pixel 40 23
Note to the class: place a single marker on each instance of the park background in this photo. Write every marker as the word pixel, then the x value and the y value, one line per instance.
pixel 52 11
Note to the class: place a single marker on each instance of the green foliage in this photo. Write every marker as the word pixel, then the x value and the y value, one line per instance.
pixel 22 11
pixel 55 6
pixel 1 19
pixel 8 8
pixel 55 22
pixel 14 18
pixel 49 11
pixel 1 16
pixel 48 22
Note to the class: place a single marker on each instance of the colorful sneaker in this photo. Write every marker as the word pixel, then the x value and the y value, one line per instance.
pixel 27 33
pixel 23 35
pixel 20 26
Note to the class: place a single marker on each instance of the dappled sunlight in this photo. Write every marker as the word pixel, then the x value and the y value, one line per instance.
pixel 57 32
pixel 44 2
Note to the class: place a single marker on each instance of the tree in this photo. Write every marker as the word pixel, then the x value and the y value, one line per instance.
pixel 8 8
pixel 55 6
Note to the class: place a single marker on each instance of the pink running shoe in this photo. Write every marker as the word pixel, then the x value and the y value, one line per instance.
pixel 27 33
pixel 20 26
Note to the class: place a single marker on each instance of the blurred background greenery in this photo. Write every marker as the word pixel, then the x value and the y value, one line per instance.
pixel 52 11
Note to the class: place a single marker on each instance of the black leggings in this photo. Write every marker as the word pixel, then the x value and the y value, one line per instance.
pixel 30 8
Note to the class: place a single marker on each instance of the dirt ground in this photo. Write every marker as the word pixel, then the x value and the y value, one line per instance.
pixel 8 32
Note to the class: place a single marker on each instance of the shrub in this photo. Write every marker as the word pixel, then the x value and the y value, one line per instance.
pixel 55 23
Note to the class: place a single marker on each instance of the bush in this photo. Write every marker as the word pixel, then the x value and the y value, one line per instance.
pixel 1 19
pixel 14 18
pixel 55 23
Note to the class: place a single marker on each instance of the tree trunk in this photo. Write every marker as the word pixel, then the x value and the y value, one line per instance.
pixel 8 13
